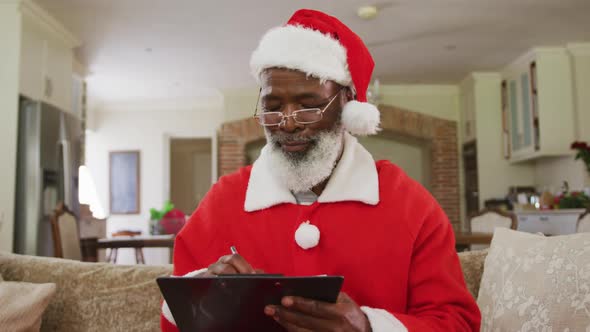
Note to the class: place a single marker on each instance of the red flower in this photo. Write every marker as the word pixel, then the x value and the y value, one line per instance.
pixel 575 193
pixel 579 145
pixel 556 199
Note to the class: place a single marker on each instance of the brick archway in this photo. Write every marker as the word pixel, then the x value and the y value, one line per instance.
pixel 441 135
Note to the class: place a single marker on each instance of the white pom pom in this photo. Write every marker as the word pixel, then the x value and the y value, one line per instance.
pixel 361 118
pixel 307 235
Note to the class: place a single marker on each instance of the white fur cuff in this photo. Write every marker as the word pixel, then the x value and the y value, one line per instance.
pixel 165 309
pixel 382 321
pixel 167 313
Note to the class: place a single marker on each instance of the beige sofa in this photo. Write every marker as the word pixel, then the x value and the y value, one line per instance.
pixel 107 297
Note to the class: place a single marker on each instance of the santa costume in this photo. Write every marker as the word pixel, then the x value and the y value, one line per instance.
pixel 371 224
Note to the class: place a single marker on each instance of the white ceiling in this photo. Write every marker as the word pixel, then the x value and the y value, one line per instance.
pixel 200 47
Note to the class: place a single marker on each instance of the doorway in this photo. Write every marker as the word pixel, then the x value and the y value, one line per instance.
pixel 471 183
pixel 413 155
pixel 190 172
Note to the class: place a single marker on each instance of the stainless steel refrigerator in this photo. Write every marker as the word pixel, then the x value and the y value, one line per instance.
pixel 47 172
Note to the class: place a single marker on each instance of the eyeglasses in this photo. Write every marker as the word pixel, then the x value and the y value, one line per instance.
pixel 303 116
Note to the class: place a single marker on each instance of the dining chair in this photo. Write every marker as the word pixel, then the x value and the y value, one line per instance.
pixel 487 220
pixel 65 233
pixel 583 225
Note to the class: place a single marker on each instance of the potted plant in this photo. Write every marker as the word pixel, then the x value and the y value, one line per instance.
pixel 168 220
pixel 572 199
pixel 583 153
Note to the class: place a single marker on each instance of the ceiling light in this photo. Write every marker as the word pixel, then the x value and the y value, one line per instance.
pixel 148 49
pixel 367 12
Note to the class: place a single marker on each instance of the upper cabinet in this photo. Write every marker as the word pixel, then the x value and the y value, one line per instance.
pixel 46 63
pixel 537 105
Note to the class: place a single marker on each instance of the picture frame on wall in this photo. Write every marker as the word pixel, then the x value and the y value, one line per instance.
pixel 124 185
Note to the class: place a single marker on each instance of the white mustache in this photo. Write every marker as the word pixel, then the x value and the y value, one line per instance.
pixel 287 138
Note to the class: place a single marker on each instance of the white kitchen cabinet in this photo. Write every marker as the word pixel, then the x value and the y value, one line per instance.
pixel 46 62
pixel 58 75
pixel 32 55
pixel 557 222
pixel 539 105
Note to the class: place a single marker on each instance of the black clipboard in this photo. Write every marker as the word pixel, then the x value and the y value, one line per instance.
pixel 236 302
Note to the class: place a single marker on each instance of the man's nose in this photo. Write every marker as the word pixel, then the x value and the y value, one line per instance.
pixel 289 124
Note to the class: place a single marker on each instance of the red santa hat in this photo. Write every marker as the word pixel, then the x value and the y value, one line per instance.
pixel 322 46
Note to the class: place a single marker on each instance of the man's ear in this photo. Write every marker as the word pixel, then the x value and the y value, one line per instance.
pixel 349 94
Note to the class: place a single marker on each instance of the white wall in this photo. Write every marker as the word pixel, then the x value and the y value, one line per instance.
pixel 412 155
pixel 550 173
pixel 581 71
pixel 10 32
pixel 495 174
pixel 239 103
pixel 441 101
pixel 148 129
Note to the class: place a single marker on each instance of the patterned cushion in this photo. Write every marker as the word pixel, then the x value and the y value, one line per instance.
pixel 22 305
pixel 536 283
pixel 92 296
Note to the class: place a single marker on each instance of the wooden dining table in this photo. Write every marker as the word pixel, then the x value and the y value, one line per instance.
pixel 149 241
pixel 91 246
pixel 463 240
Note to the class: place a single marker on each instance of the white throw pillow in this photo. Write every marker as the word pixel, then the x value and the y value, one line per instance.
pixel 22 305
pixel 536 283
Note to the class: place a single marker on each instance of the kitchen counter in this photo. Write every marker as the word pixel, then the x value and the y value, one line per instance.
pixel 550 212
pixel 549 222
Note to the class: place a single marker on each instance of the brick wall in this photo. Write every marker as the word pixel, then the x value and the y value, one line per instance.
pixel 441 135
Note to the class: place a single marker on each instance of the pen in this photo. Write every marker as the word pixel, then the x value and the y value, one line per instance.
pixel 233 249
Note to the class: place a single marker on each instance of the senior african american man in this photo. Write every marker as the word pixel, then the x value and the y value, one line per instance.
pixel 315 202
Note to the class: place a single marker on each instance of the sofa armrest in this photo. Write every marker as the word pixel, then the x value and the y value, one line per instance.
pixel 472 265
pixel 92 296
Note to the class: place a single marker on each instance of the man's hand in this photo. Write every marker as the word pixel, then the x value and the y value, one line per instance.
pixel 230 264
pixel 299 314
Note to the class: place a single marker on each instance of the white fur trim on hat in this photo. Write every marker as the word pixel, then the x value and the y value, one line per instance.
pixel 303 49
pixel 361 118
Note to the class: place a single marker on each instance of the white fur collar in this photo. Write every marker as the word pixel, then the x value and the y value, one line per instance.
pixel 354 179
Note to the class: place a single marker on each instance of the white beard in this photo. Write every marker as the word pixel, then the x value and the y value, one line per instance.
pixel 300 172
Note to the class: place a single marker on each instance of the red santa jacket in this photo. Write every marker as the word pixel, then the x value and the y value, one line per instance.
pixel 379 229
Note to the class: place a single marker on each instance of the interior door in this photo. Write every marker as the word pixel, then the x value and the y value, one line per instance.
pixel 190 172
pixel 471 183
